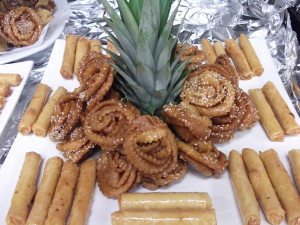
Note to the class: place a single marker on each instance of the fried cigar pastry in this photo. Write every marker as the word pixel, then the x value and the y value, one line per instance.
pixel 34 109
pixel 5 90
pixel 250 54
pixel 82 48
pixel 283 185
pixel 284 115
pixel 95 45
pixel 294 156
pixel 25 190
pixel 2 102
pixel 262 187
pixel 267 117
pixel 175 217
pixel 45 192
pixel 243 190
pixel 219 48
pixel 164 201
pixel 209 50
pixel 10 79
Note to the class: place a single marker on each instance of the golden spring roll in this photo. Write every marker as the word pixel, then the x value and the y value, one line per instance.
pixel 83 45
pixel 110 47
pixel 294 156
pixel 243 190
pixel 209 50
pixel 164 201
pixel 95 45
pixel 24 191
pixel 283 185
pixel 11 79
pixel 5 90
pixel 219 48
pixel 250 54
pixel 239 58
pixel 176 217
pixel 63 197
pixel 41 126
pixel 262 187
pixel 67 66
pixel 45 192
pixel 2 102
pixel 84 193
pixel 34 109
pixel 266 114
pixel 284 115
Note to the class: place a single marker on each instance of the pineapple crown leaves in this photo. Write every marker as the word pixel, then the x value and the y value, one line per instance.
pixel 148 72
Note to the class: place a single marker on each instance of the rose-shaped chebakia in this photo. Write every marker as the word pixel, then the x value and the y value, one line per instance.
pixel 107 122
pixel 211 93
pixel 150 146
pixel 66 116
pixel 204 156
pixel 187 122
pixel 197 57
pixel 21 26
pixel 115 175
pixel 95 76
pixel 153 182
pixel 77 146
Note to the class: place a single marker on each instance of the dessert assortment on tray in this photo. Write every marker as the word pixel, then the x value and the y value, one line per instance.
pixel 148 131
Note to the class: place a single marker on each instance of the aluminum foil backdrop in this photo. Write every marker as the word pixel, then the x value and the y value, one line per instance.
pixel 213 19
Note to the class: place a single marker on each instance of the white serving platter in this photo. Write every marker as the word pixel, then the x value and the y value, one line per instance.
pixel 219 189
pixel 24 69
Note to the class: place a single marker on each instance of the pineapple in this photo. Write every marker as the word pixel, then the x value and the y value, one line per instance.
pixel 149 74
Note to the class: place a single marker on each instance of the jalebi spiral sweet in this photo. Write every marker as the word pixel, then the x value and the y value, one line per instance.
pixel 250 115
pixel 187 122
pixel 115 175
pixel 107 122
pixel 204 156
pixel 150 146
pixel 66 116
pixel 197 56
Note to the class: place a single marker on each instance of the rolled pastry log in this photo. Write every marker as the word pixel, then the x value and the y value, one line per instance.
pixel 294 156
pixel 243 190
pixel 2 102
pixel 283 185
pixel 262 187
pixel 219 48
pixel 45 192
pixel 25 190
pixel 266 114
pixel 34 109
pixel 251 55
pixel 63 196
pixel 110 47
pixel 164 201
pixel 84 193
pixel 209 50
pixel 5 90
pixel 284 115
pixel 176 217
pixel 82 48
pixel 239 59
pixel 67 66
pixel 41 126
pixel 95 45
pixel 11 79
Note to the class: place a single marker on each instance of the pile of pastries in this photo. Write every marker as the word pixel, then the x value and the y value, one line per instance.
pixel 21 22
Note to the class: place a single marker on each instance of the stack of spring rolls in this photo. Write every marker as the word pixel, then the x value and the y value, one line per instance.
pixel 242 53
pixel 275 116
pixel 6 81
pixel 64 188
pixel 182 208
pixel 263 177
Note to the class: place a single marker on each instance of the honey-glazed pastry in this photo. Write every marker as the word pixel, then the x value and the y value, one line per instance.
pixel 204 156
pixel 211 93
pixel 150 146
pixel 224 61
pixel 106 123
pixel 186 121
pixel 66 116
pixel 115 175
pixel 45 4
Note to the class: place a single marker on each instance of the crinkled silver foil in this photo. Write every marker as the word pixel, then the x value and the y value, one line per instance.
pixel 213 19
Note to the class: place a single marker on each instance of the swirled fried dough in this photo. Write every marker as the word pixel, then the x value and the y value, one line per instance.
pixel 150 146
pixel 187 122
pixel 106 123
pixel 197 56
pixel 115 175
